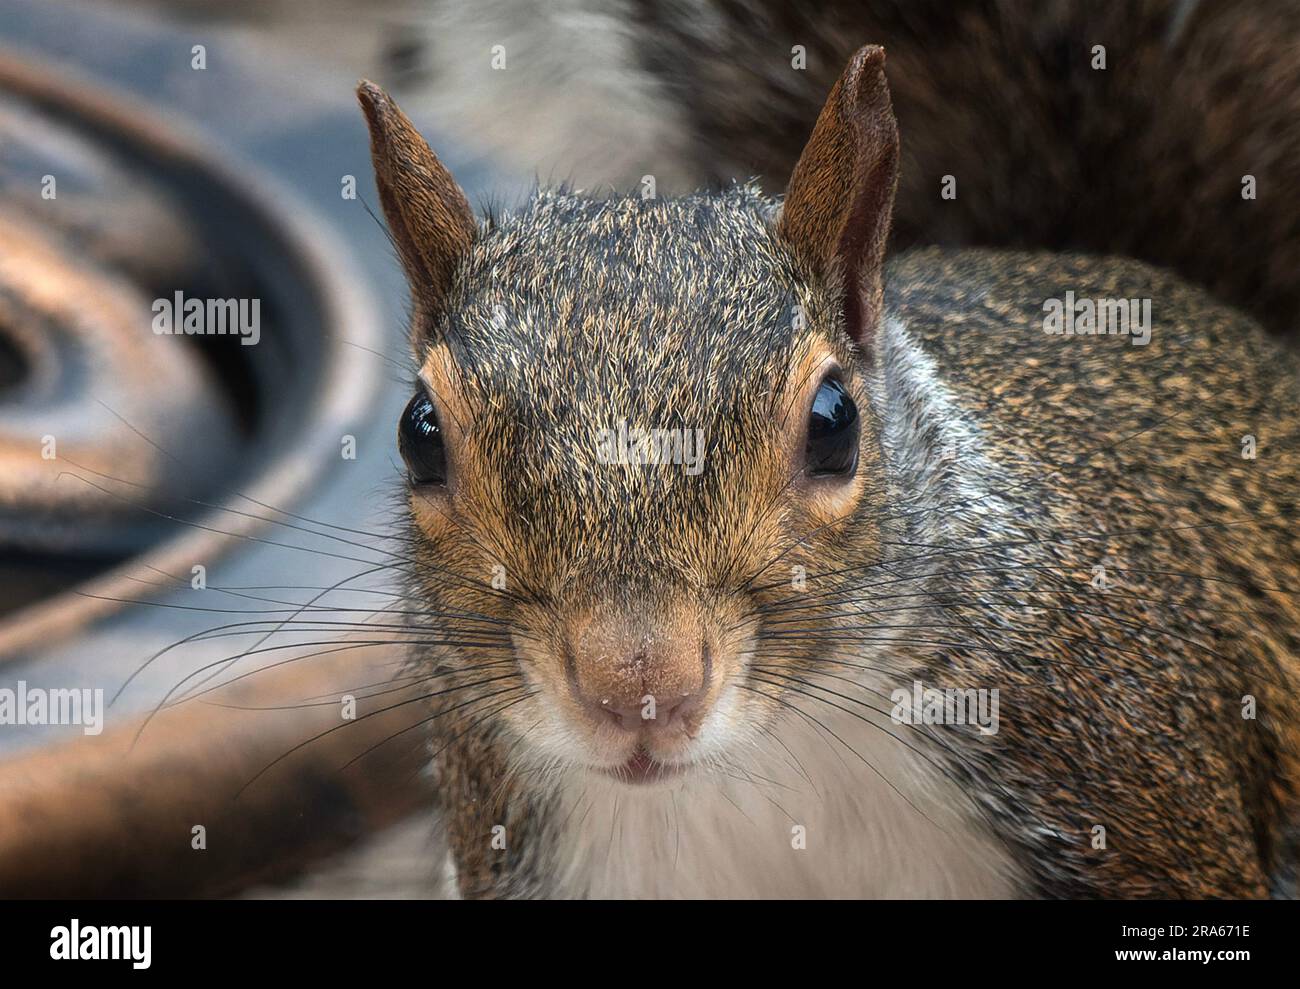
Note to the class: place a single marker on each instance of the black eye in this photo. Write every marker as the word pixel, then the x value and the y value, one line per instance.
pixel 832 431
pixel 420 441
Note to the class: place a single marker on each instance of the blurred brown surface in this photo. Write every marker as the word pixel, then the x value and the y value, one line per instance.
pixel 264 764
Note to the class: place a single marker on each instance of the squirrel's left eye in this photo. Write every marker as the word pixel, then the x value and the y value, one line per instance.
pixel 420 441
pixel 832 431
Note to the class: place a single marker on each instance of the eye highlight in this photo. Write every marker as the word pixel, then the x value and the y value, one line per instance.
pixel 832 432
pixel 421 442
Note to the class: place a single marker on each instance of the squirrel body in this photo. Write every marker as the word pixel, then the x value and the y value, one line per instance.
pixel 689 685
pixel 1021 461
pixel 1155 129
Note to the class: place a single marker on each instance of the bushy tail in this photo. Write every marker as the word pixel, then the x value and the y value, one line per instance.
pixel 1167 130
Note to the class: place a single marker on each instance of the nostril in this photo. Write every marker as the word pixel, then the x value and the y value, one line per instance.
pixel 622 715
pixel 649 713
pixel 667 713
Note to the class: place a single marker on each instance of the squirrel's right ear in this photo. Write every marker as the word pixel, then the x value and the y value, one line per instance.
pixel 428 216
pixel 840 197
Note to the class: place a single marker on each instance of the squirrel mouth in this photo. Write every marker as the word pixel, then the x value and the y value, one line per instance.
pixel 642 768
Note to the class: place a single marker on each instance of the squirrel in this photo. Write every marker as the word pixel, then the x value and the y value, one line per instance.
pixel 986 586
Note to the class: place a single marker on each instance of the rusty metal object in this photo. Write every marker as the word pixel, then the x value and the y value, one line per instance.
pixel 311 361
pixel 114 815
pixel 144 208
pixel 72 478
pixel 107 213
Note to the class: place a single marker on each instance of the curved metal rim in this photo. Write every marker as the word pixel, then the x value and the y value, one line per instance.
pixel 347 389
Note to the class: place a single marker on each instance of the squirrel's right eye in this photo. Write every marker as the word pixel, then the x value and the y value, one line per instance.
pixel 420 441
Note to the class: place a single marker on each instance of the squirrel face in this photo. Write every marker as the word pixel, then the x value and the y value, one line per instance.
pixel 638 424
pixel 695 346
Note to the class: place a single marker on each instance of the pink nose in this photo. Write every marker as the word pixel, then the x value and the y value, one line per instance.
pixel 639 672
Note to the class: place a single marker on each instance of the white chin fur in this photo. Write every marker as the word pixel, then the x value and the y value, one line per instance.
pixel 727 828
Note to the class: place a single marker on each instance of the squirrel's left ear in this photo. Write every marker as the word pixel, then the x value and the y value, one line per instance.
pixel 840 197
pixel 430 219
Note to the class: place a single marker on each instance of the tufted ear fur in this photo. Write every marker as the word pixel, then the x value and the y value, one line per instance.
pixel 428 216
pixel 840 198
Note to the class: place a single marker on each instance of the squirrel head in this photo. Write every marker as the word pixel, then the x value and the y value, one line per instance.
pixel 641 429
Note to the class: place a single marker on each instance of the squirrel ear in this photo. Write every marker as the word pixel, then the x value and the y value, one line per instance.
pixel 428 216
pixel 841 195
